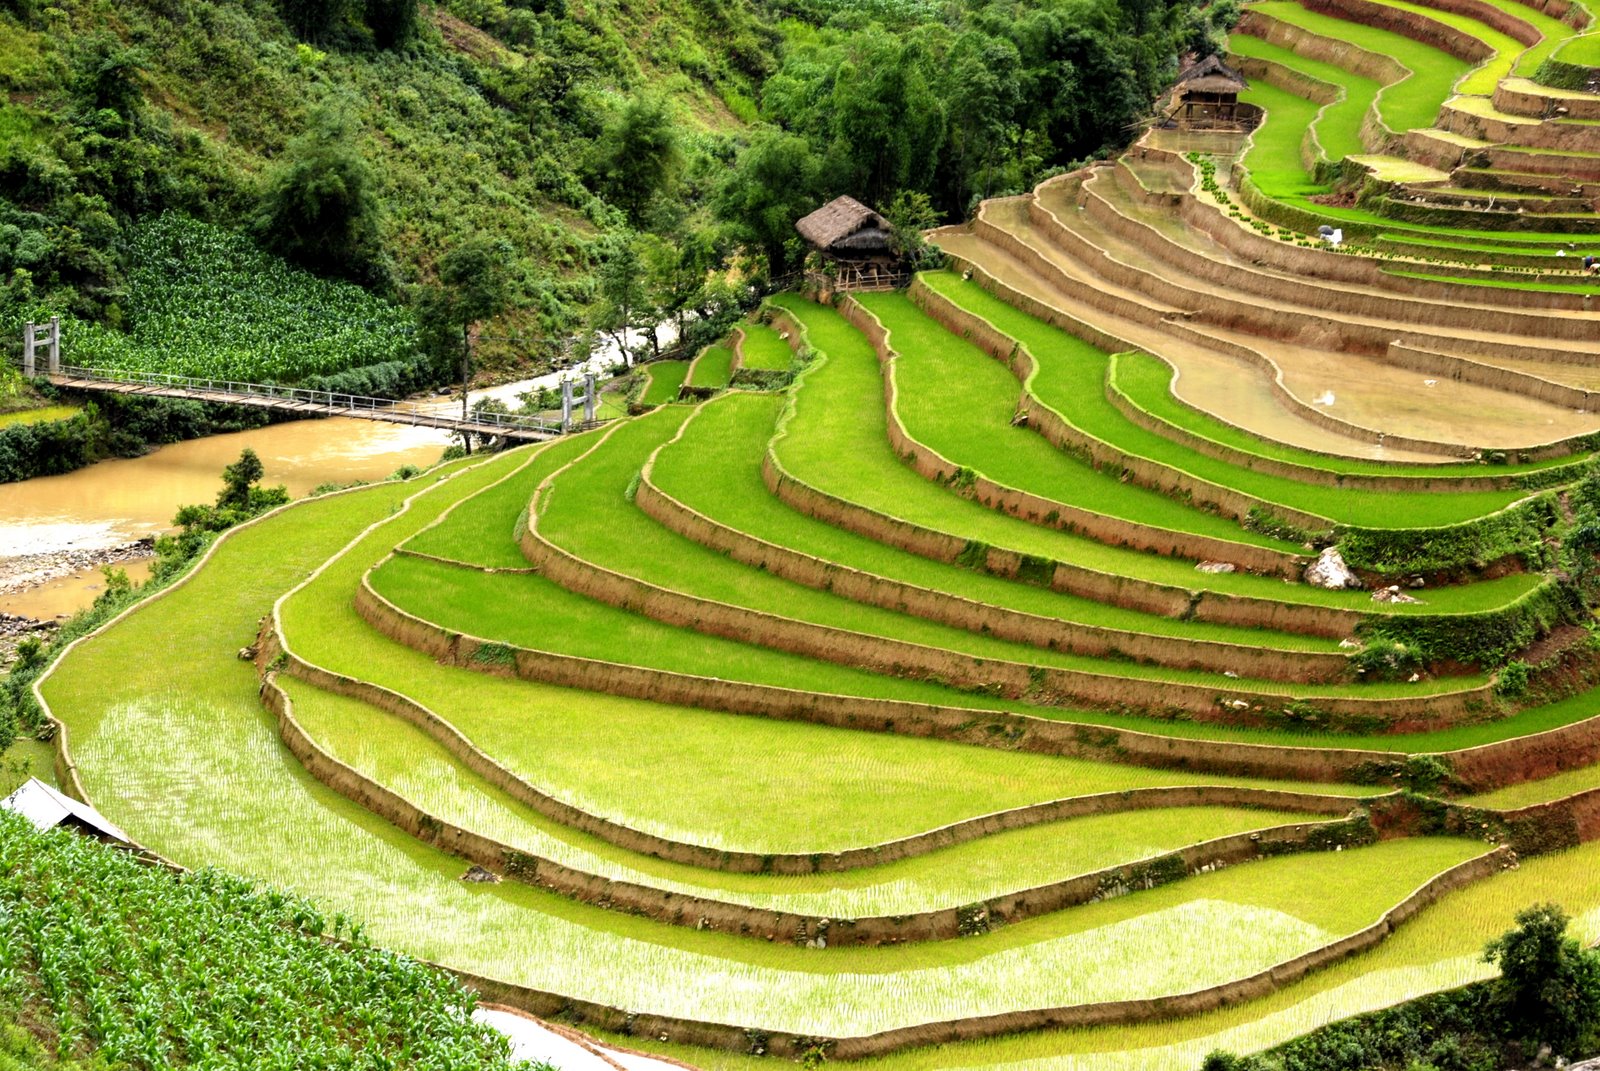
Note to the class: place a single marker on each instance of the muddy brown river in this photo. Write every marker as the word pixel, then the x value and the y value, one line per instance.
pixel 118 501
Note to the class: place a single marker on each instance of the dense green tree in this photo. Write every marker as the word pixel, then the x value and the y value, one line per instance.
pixel 238 478
pixel 677 273
pixel 321 206
pixel 1550 984
pixel 637 158
pixel 392 22
pixel 314 20
pixel 624 298
pixel 105 76
pixel 474 285
pixel 774 182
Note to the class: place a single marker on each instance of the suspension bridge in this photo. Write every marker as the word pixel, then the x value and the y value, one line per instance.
pixel 430 414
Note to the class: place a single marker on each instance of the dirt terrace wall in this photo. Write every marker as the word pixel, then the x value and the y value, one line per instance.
pixel 972 615
pixel 1322 306
pixel 971 725
pixel 1508 158
pixel 1177 328
pixel 741 1039
pixel 1551 134
pixel 1038 683
pixel 1304 473
pixel 1540 105
pixel 704 913
pixel 1062 434
pixel 1144 471
pixel 1414 25
pixel 1130 592
pixel 1318 263
pixel 736 343
pixel 1488 375
pixel 1385 70
pixel 1527 758
pixel 1181 326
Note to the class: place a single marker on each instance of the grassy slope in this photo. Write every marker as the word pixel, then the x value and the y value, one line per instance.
pixel 175 731
pixel 1071 379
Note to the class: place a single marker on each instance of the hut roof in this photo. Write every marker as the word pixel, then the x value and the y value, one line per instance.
pixel 844 223
pixel 46 808
pixel 1211 75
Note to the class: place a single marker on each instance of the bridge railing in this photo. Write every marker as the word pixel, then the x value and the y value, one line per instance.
pixel 331 401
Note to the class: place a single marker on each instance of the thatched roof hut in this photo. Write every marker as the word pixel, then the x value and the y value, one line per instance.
pixel 1211 75
pixel 1207 92
pixel 846 229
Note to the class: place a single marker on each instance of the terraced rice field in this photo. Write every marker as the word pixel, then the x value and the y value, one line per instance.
pixel 712 368
pixel 665 379
pixel 765 350
pixel 963 692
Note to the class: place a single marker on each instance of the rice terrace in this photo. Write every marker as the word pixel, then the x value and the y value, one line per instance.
pixel 1085 598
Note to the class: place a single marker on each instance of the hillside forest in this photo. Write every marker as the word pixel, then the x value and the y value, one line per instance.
pixel 330 191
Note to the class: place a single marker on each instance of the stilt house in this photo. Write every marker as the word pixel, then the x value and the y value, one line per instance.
pixel 855 243
pixel 1207 95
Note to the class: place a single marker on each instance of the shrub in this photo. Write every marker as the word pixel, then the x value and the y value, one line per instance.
pixel 1549 985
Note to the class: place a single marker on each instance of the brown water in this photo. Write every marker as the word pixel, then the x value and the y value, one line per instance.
pixel 68 594
pixel 119 501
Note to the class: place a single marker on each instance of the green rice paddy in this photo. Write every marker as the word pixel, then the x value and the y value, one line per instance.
pixel 666 377
pixel 1581 51
pixel 407 761
pixel 1339 126
pixel 713 368
pixel 1411 103
pixel 1071 378
pixel 180 754
pixel 877 480
pixel 730 436
pixel 764 349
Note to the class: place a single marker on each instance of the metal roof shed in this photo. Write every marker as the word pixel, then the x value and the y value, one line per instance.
pixel 47 808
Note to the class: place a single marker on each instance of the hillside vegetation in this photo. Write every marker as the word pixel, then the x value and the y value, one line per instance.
pixel 617 159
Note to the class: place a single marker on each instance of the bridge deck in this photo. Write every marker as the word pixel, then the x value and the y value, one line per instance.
pixel 394 412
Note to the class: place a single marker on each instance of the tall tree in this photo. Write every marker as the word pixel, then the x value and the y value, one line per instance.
pixel 320 208
pixel 637 158
pixel 313 20
pixel 392 22
pixel 474 285
pixel 774 182
pixel 624 298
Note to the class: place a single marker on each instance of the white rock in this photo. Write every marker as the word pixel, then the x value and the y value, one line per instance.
pixel 1216 567
pixel 1393 594
pixel 1329 571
